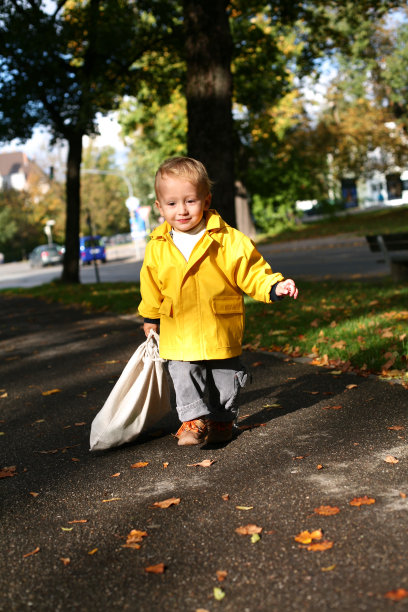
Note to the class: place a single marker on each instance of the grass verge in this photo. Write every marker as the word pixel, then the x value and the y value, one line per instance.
pixel 348 325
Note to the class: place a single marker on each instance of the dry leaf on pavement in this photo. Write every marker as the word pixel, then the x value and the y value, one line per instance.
pixel 307 537
pixel 33 552
pixel 51 392
pixel 203 463
pixel 172 501
pixel 155 569
pixel 362 501
pixel 140 464
pixel 397 594
pixel 7 472
pixel 391 459
pixel 248 529
pixel 134 538
pixel 327 510
pixel 221 575
pixel 320 546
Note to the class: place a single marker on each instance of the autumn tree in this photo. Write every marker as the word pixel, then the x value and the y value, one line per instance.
pixel 59 68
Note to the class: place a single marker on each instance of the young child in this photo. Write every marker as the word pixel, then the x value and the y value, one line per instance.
pixel 195 272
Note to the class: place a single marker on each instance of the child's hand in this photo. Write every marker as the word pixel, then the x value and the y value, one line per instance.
pixel 287 287
pixel 148 326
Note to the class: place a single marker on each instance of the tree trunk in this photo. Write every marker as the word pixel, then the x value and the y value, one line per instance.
pixel 70 273
pixel 208 49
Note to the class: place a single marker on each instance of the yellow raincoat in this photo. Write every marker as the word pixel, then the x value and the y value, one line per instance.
pixel 200 301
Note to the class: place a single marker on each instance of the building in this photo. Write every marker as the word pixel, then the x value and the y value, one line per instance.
pixel 18 172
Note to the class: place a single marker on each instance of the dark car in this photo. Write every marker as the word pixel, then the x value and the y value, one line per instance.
pixel 46 255
pixel 91 248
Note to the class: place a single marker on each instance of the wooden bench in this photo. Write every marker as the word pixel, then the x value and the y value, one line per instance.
pixel 394 248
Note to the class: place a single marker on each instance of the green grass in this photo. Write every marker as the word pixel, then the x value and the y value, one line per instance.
pixel 346 324
pixel 381 221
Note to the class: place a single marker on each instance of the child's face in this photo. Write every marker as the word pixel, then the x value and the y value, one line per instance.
pixel 181 203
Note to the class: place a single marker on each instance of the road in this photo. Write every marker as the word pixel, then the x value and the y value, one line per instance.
pixel 338 257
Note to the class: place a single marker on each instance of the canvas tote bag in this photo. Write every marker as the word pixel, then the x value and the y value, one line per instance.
pixel 138 400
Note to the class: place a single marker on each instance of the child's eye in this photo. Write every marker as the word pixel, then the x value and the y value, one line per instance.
pixel 170 203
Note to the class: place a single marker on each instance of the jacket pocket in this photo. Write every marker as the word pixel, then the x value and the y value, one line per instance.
pixel 166 307
pixel 229 316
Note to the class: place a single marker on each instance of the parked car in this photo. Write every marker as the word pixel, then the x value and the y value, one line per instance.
pixel 46 255
pixel 90 249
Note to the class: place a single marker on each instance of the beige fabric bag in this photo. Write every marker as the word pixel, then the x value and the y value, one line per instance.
pixel 138 400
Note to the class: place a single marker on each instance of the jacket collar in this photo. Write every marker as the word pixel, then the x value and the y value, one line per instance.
pixel 214 222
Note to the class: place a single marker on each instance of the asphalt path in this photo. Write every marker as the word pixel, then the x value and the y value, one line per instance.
pixel 342 257
pixel 308 437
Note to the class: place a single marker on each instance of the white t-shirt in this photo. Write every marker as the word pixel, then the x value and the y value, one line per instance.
pixel 186 242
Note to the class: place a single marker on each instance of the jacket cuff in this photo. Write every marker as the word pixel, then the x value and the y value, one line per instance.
pixel 154 321
pixel 272 294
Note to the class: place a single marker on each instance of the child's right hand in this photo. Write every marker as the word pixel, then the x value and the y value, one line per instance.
pixel 148 326
pixel 286 287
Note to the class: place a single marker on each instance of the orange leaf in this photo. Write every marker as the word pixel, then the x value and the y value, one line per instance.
pixel 362 501
pixel 155 569
pixel 221 575
pixel 65 560
pixel 204 463
pixel 105 501
pixel 140 464
pixel 225 497
pixel 319 466
pixel 248 529
pixel 33 552
pixel 396 427
pixel 325 545
pixel 332 407
pixel 165 464
pixel 134 537
pixel 351 386
pixel 78 521
pixel 306 537
pixel 34 494
pixel 8 471
pixel 51 392
pixel 115 475
pixel 172 501
pixel 391 459
pixel 327 510
pixel 93 551
pixel 397 594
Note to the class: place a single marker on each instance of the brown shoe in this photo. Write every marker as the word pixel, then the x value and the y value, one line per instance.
pixel 219 431
pixel 192 432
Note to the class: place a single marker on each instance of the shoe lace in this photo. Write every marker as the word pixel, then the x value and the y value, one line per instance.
pixel 196 425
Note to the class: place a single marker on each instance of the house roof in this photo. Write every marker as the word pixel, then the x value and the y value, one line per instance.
pixel 11 163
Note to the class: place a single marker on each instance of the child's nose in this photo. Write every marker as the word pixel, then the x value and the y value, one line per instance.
pixel 182 208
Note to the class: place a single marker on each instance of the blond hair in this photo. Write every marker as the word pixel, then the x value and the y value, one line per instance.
pixel 185 167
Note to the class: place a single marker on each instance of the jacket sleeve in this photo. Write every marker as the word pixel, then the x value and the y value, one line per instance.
pixel 253 274
pixel 150 287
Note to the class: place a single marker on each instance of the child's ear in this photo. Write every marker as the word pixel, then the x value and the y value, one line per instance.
pixel 207 201
pixel 157 204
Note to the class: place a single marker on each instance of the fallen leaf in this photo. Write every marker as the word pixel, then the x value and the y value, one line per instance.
pixel 172 501
pixel 248 529
pixel 351 386
pixel 403 495
pixel 93 551
pixel 221 575
pixel 225 497
pixel 306 537
pixel 134 538
pixel 256 364
pixel 77 521
pixel 140 464
pixel 335 372
pixel 51 392
pixel 65 560
pixel 325 545
pixel 67 528
pixel 391 459
pixel 396 594
pixel 75 459
pixel 396 427
pixel 165 464
pixel 341 344
pixel 255 537
pixel 204 463
pixel 329 568
pixel 327 510
pixel 34 494
pixel 115 475
pixel 104 501
pixel 8 472
pixel 3 395
pixel 332 407
pixel 362 501
pixel 33 552
pixel 155 569
pixel 219 594
pixel 80 424
pixel 244 507
pixel 319 466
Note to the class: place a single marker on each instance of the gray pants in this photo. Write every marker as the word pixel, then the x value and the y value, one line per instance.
pixel 222 379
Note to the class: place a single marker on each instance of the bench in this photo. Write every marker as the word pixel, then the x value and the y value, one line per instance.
pixel 394 248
